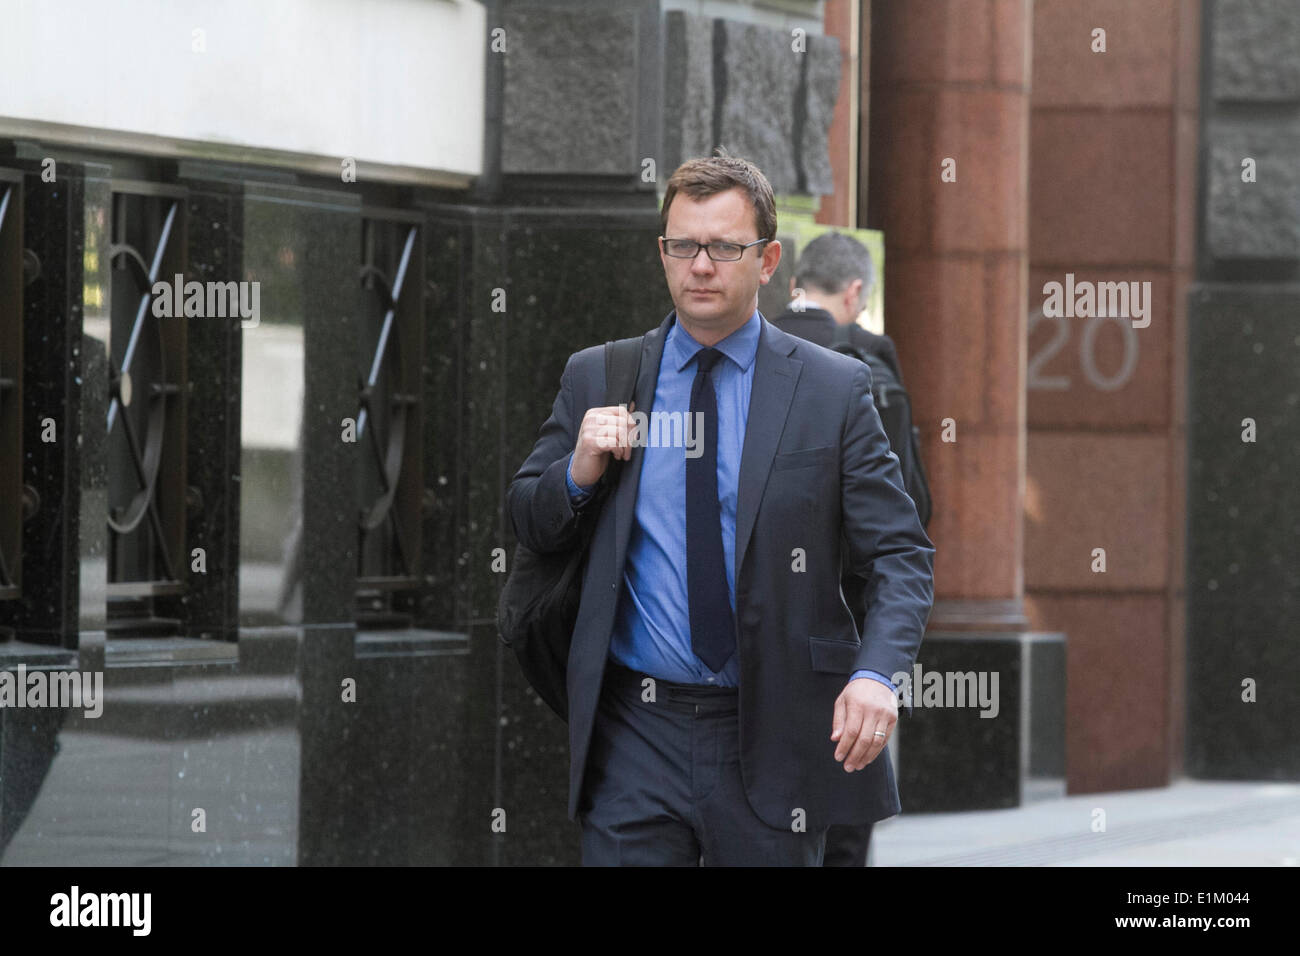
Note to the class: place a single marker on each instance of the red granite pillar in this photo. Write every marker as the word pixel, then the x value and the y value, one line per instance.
pixel 1113 182
pixel 948 185
pixel 843 19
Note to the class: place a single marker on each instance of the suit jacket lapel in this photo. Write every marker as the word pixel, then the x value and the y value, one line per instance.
pixel 775 377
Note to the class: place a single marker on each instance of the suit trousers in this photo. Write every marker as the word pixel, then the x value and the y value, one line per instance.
pixel 847 845
pixel 664 784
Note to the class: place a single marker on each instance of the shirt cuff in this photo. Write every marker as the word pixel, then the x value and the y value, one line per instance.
pixel 874 676
pixel 577 494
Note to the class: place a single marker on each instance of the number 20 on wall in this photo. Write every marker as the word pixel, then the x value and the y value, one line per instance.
pixel 1037 380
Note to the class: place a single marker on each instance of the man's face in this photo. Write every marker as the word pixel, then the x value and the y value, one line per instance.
pixel 713 299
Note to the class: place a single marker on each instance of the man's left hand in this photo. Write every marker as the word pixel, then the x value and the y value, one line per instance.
pixel 864 707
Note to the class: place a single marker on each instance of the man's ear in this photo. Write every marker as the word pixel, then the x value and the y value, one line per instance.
pixel 853 297
pixel 771 259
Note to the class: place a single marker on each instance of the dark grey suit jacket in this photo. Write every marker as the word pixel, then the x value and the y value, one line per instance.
pixel 815 463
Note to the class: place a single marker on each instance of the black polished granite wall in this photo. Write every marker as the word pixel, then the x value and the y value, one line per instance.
pixel 295 737
pixel 1243 502
pixel 29 739
pixel 54 227
pixel 1243 566
pixel 44 619
pixel 949 757
pixel 210 606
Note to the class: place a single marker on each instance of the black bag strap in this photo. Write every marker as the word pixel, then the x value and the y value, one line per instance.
pixel 622 367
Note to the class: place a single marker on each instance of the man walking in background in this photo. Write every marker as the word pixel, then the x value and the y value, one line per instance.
pixel 831 285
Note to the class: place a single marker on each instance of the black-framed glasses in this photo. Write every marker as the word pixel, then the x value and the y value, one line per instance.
pixel 718 251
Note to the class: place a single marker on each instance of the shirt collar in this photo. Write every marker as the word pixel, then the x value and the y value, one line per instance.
pixel 792 306
pixel 741 346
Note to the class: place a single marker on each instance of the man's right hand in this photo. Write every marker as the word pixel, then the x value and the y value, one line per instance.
pixel 604 432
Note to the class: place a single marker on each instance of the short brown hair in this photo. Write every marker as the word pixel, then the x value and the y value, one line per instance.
pixel 710 175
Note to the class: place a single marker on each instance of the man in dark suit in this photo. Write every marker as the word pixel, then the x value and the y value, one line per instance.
pixel 723 706
pixel 830 287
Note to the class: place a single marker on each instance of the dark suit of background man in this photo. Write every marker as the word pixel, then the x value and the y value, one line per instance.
pixel 723 707
pixel 830 287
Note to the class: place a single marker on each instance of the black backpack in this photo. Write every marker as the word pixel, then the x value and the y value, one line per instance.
pixel 895 408
pixel 538 607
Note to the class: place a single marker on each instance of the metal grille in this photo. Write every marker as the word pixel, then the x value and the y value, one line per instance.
pixel 146 410
pixel 389 418
pixel 11 398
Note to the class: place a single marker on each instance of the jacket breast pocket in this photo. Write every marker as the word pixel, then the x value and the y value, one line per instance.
pixel 805 458
pixel 832 656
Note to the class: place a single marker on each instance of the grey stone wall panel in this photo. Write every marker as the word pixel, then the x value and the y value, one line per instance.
pixel 823 84
pixel 762 75
pixel 570 91
pixel 1259 220
pixel 1256 50
pixel 688 88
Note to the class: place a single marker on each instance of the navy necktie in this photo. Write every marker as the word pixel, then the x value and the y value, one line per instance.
pixel 713 626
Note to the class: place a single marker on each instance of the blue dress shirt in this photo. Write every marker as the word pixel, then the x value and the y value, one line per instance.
pixel 652 623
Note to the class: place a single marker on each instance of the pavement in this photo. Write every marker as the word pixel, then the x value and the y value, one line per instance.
pixel 119 821
pixel 1189 823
